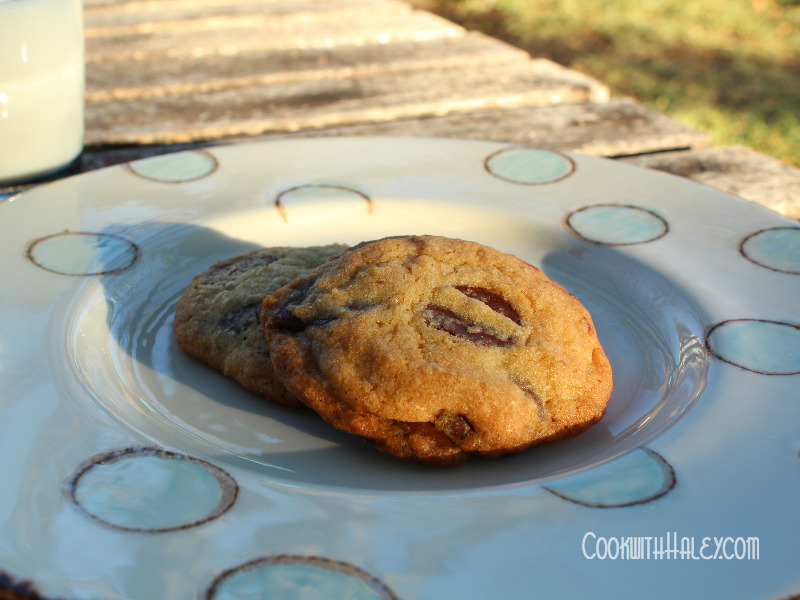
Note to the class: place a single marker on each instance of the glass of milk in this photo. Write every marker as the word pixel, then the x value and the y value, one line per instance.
pixel 41 87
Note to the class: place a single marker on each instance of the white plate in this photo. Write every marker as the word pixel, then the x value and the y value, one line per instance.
pixel 131 471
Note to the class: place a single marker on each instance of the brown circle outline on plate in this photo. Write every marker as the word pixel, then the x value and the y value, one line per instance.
pixel 572 165
pixel 711 351
pixel 612 204
pixel 136 252
pixel 229 486
pixel 129 167
pixel 345 568
pixel 282 209
pixel 754 261
pixel 670 480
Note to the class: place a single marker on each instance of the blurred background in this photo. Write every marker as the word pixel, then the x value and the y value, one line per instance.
pixel 728 67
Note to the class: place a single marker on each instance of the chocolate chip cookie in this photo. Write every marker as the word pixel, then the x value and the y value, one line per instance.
pixel 217 318
pixel 437 349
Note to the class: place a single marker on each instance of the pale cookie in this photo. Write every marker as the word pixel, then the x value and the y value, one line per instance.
pixel 437 349
pixel 217 318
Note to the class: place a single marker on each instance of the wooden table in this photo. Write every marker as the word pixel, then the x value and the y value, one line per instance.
pixel 165 75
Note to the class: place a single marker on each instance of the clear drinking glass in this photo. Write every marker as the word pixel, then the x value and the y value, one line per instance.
pixel 42 80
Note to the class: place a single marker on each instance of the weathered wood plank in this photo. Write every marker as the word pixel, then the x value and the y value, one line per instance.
pixel 738 170
pixel 256 109
pixel 599 129
pixel 140 16
pixel 275 6
pixel 234 37
pixel 188 72
pixel 619 127
pixel 145 78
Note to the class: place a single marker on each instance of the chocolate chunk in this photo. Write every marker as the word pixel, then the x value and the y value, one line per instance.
pixel 232 270
pixel 239 320
pixel 526 387
pixel 493 300
pixel 454 426
pixel 286 321
pixel 459 326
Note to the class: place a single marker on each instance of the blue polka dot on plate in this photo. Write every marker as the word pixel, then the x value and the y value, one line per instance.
pixel 617 224
pixel 529 165
pixel 635 478
pixel 82 253
pixel 320 201
pixel 766 347
pixel 307 577
pixel 777 248
pixel 179 167
pixel 151 490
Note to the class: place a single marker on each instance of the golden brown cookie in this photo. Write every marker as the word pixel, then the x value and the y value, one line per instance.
pixel 217 318
pixel 437 349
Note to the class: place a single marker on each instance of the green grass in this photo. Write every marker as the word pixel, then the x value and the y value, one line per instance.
pixel 728 67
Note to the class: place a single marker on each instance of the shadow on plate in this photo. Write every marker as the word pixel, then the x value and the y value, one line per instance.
pixel 128 361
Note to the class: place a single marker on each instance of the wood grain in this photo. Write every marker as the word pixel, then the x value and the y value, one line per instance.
pixel 168 75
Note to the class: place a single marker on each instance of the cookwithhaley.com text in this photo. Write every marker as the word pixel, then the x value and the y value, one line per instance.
pixel 669 546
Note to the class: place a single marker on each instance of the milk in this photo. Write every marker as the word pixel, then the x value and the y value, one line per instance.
pixel 41 86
